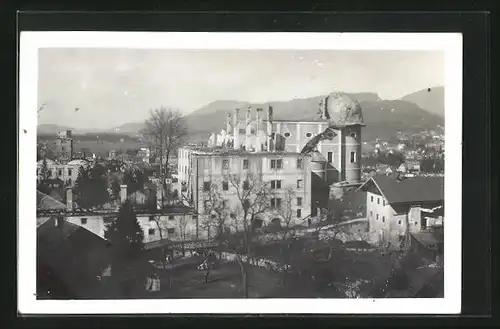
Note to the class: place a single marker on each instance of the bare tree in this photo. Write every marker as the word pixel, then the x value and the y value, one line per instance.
pixel 163 230
pixel 254 199
pixel 183 234
pixel 217 210
pixel 285 213
pixel 165 130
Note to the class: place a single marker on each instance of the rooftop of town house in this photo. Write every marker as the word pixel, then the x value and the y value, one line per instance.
pixel 138 210
pixel 220 151
pixel 46 202
pixel 412 189
pixel 62 244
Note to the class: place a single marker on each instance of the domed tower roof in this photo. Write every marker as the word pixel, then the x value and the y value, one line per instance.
pixel 341 110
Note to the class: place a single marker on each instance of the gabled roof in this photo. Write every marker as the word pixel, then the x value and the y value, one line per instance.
pixel 406 190
pixel 71 252
pixel 46 202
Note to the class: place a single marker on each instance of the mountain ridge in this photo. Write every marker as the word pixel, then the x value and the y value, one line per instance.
pixel 383 118
pixel 430 99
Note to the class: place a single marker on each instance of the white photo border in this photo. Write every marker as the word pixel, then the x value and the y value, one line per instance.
pixel 30 42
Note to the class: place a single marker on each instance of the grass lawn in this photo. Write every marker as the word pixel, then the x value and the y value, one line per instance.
pixel 223 282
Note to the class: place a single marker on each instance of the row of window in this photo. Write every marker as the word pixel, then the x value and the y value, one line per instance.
pixel 58 172
pixel 383 218
pixel 377 216
pixel 152 231
pixel 378 200
pixel 275 185
pixel 352 157
pixel 310 134
pixel 274 164
pixel 83 220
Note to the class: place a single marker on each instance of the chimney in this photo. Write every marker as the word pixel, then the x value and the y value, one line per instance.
pixel 159 195
pixel 123 193
pixel 270 142
pixel 69 199
pixel 248 128
pixel 258 119
pixel 228 123
pixel 236 130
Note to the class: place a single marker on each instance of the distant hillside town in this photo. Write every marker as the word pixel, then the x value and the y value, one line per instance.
pixel 299 202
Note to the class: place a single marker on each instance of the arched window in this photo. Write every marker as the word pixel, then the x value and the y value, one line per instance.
pixel 352 135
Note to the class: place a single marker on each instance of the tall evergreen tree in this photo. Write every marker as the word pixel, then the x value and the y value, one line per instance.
pixel 44 171
pixel 91 187
pixel 126 238
pixel 82 191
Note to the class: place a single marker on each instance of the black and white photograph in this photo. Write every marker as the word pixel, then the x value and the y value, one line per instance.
pixel 240 172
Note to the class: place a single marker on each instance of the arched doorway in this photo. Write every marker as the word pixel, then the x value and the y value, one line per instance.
pixel 276 222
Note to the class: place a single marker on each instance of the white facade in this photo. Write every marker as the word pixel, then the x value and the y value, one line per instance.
pixel 68 173
pixel 175 227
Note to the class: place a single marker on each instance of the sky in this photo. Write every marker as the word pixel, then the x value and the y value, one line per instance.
pixel 111 87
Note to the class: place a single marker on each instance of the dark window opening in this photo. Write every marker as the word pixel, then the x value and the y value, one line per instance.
pixel 309 135
pixel 299 213
pixel 170 231
pixel 300 163
pixel 225 186
pixel 245 164
pixel 287 134
pixel 246 185
pixel 206 186
pixel 83 221
pixel 171 217
pixel 276 164
pixel 151 231
pixel 300 183
pixel 330 157
pixel 225 164
pixel 275 203
pixel 275 184
pixel 299 201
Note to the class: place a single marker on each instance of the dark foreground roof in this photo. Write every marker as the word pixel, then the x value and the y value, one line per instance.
pixel 73 253
pixel 412 189
pixel 46 202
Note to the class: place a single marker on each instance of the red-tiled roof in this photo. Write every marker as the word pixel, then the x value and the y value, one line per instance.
pixel 412 189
